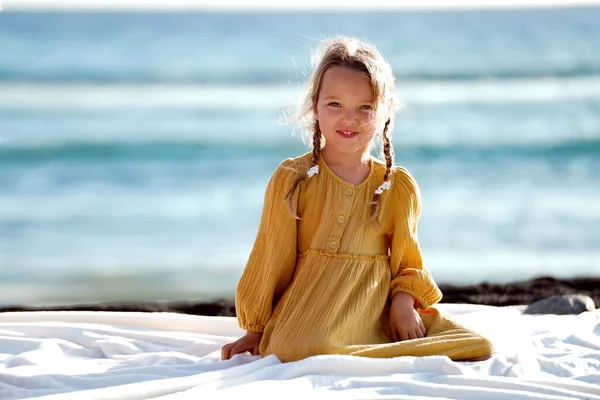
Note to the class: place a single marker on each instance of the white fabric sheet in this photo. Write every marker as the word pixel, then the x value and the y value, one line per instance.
pixel 110 355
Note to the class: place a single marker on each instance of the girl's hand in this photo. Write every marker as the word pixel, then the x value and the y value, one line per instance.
pixel 249 342
pixel 405 321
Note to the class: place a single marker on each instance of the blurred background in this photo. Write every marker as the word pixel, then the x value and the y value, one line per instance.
pixel 135 146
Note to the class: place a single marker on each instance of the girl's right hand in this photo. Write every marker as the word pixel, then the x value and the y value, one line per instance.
pixel 249 342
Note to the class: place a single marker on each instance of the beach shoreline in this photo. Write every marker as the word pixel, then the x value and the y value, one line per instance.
pixel 492 294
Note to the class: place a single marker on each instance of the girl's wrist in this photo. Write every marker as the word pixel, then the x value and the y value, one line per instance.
pixel 403 298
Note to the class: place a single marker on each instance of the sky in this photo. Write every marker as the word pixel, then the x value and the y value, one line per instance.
pixel 183 5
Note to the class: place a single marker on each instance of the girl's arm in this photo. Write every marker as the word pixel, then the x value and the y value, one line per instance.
pixel 272 261
pixel 408 273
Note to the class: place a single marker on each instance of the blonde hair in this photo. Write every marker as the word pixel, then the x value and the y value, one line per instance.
pixel 359 56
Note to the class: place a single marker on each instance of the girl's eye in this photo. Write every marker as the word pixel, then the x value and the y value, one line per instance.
pixel 334 104
pixel 366 107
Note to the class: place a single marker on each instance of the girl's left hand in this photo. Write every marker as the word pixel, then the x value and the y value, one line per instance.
pixel 405 321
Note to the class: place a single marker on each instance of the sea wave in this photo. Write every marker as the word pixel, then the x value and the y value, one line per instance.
pixel 30 96
pixel 199 149
pixel 266 76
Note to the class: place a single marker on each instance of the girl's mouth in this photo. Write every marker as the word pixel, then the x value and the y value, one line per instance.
pixel 346 133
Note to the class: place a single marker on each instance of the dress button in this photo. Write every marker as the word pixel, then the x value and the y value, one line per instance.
pixel 333 245
pixel 349 192
pixel 341 219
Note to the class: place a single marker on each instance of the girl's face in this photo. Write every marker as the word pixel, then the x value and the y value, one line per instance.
pixel 345 110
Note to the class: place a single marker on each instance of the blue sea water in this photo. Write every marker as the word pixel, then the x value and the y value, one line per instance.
pixel 135 147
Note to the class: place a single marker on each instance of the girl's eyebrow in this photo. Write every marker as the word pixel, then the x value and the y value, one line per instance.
pixel 335 98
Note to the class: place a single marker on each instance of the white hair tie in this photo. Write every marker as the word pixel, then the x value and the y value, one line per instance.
pixel 313 170
pixel 384 186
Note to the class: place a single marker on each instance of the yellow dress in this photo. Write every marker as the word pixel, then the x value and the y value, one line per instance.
pixel 322 284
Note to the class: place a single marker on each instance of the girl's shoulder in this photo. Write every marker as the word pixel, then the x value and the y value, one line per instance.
pixel 404 179
pixel 403 184
pixel 400 177
pixel 292 168
pixel 303 161
pixel 406 188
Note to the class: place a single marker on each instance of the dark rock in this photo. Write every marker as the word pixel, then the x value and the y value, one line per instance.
pixel 521 293
pixel 492 294
pixel 218 308
pixel 561 305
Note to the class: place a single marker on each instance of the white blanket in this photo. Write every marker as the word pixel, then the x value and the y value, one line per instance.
pixel 108 355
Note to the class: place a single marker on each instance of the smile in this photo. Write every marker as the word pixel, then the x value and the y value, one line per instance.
pixel 347 133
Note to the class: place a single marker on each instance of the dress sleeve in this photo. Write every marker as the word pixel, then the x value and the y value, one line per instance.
pixel 272 260
pixel 408 273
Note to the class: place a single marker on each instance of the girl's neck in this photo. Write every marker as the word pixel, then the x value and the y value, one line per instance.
pixel 345 161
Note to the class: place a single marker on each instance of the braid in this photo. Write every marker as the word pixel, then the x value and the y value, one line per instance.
pixel 388 153
pixel 316 152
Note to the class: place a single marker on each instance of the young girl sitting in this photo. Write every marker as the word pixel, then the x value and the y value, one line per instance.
pixel 336 267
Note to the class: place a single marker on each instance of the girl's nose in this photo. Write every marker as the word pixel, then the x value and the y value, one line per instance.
pixel 350 116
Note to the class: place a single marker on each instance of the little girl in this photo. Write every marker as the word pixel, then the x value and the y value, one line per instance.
pixel 336 267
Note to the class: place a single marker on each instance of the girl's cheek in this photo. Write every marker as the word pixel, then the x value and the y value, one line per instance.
pixel 369 124
pixel 330 113
pixel 367 120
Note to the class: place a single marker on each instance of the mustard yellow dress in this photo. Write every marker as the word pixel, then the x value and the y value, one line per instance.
pixel 322 284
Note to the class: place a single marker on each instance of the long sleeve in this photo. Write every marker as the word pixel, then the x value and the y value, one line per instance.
pixel 272 260
pixel 409 274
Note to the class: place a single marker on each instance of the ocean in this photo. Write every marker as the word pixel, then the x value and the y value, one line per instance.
pixel 135 147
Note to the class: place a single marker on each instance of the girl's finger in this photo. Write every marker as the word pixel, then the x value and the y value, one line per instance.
pixel 236 350
pixel 404 336
pixel 255 351
pixel 225 352
pixel 393 333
